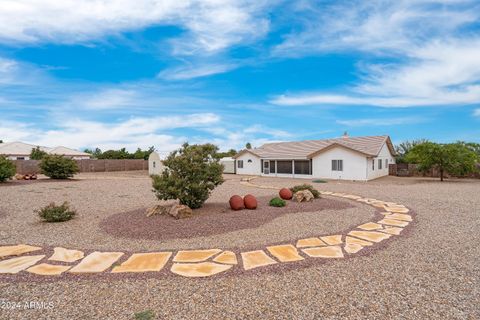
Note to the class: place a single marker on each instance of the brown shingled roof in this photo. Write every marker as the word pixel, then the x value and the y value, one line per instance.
pixel 370 146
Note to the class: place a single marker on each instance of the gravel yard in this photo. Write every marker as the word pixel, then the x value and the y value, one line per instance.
pixel 430 272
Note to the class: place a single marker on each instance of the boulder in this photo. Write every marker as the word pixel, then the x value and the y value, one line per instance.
pixel 285 194
pixel 19 176
pixel 159 209
pixel 303 195
pixel 250 202
pixel 236 203
pixel 180 211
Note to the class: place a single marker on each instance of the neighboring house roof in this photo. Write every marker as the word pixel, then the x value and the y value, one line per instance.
pixel 18 148
pixel 369 146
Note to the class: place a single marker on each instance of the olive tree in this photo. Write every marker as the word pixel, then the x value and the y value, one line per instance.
pixel 191 173
pixel 453 158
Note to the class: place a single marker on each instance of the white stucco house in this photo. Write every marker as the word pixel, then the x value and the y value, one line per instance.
pixel 21 151
pixel 345 158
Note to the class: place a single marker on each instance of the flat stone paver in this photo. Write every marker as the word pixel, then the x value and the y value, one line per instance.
pixel 144 262
pixel 324 252
pixel 255 259
pixel 352 240
pixel 285 253
pixel 352 248
pixel 45 269
pixel 226 257
pixel 397 209
pixel 66 255
pixel 370 226
pixel 373 236
pixel 310 242
pixel 202 269
pixel 393 230
pixel 393 222
pixel 96 262
pixel 195 255
pixel 17 250
pixel 15 265
pixel 332 240
pixel 400 216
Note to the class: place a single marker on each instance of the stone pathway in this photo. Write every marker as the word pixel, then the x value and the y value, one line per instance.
pixel 209 262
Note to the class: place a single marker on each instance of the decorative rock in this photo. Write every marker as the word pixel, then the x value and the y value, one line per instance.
pixel 352 248
pixel 352 240
pixel 285 194
pixel 195 255
pixel 250 202
pixel 373 236
pixel 158 209
pixel 45 269
pixel 96 262
pixel 370 226
pixel 400 216
pixel 66 255
pixel 180 211
pixel 15 265
pixel 285 253
pixel 236 203
pixel 392 230
pixel 303 195
pixel 397 209
pixel 195 270
pixel 255 259
pixel 226 257
pixel 324 252
pixel 310 242
pixel 332 240
pixel 17 250
pixel 19 176
pixel 144 262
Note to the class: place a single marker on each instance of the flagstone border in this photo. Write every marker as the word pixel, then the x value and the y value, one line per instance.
pixel 391 222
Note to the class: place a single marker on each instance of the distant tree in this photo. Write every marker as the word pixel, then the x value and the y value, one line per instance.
pixel 229 153
pixel 143 154
pixel 191 173
pixel 248 145
pixel 95 153
pixel 37 154
pixel 475 147
pixel 404 148
pixel 453 158
pixel 1 141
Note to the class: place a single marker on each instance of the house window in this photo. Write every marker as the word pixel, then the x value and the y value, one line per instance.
pixel 272 166
pixel 337 165
pixel 379 164
pixel 154 164
pixel 386 163
pixel 284 167
pixel 373 164
pixel 240 164
pixel 302 167
pixel 249 160
pixel 20 158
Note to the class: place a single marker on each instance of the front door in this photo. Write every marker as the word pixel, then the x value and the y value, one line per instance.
pixel 266 167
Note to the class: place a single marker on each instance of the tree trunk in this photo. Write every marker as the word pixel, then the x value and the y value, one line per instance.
pixel 441 174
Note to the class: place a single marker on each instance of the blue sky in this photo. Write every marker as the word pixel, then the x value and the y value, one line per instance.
pixel 122 73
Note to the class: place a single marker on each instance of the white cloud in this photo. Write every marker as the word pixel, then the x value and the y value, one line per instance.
pixel 109 99
pixel 376 122
pixel 191 72
pixel 432 59
pixel 210 25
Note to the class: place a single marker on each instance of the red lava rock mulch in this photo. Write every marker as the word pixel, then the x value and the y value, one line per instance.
pixel 212 219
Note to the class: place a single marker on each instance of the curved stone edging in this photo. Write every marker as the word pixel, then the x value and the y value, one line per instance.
pixel 209 262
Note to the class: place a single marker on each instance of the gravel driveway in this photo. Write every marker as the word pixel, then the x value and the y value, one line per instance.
pixel 432 272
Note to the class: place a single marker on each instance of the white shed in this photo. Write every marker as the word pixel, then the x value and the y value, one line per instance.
pixel 228 164
pixel 155 165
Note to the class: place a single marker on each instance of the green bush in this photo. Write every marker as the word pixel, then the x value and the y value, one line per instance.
pixel 309 187
pixel 58 167
pixel 191 173
pixel 145 315
pixel 54 213
pixel 277 202
pixel 7 169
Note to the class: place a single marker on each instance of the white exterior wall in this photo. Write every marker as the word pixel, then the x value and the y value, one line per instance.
pixel 228 165
pixel 249 168
pixel 16 157
pixel 354 165
pixel 384 154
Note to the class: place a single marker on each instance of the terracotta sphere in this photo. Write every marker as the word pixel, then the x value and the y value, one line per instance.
pixel 250 202
pixel 236 202
pixel 285 194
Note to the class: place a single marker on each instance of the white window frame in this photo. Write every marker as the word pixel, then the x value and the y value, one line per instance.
pixel 380 164
pixel 337 164
pixel 240 164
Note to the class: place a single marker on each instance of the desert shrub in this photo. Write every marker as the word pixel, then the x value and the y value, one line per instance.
pixel 191 173
pixel 7 169
pixel 54 213
pixel 58 167
pixel 309 187
pixel 277 202
pixel 145 315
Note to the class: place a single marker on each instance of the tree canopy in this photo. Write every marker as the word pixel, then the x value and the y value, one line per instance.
pixel 37 154
pixel 121 153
